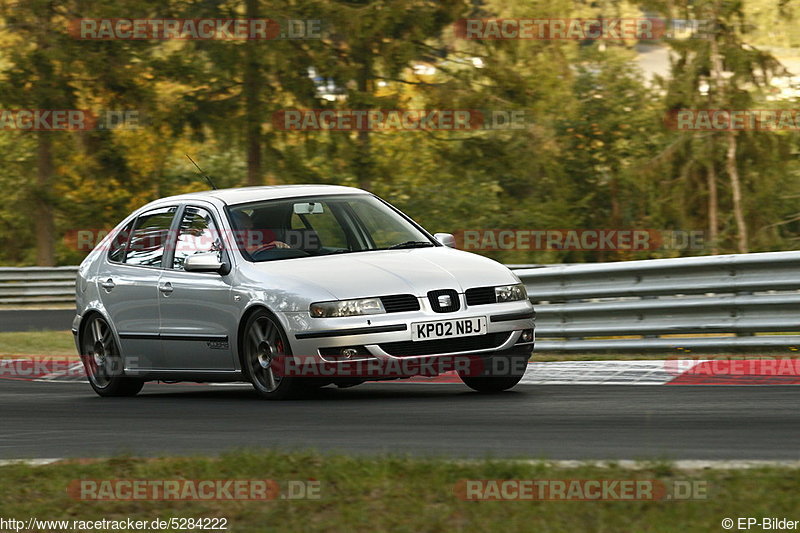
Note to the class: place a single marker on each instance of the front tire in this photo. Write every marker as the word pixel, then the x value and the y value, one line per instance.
pixel 500 371
pixel 103 362
pixel 265 342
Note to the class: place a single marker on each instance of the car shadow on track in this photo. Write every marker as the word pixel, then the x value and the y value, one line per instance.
pixel 326 394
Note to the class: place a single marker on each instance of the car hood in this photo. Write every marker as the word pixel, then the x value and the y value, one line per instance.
pixel 413 271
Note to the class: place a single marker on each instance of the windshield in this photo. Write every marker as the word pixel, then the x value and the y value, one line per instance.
pixel 321 225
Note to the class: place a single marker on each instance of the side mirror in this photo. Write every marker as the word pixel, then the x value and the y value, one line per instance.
pixel 446 239
pixel 206 262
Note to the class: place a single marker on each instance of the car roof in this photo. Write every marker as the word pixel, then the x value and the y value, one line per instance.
pixel 243 195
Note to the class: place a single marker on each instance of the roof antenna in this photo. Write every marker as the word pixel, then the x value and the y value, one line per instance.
pixel 203 173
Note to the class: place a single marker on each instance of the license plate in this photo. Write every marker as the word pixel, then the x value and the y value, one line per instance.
pixel 445 329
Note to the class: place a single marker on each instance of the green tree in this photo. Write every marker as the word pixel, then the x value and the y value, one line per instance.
pixel 721 71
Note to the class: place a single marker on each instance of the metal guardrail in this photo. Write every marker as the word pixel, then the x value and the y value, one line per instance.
pixel 721 302
pixel 37 285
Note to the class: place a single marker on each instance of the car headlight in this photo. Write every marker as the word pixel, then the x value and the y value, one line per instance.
pixel 363 306
pixel 510 293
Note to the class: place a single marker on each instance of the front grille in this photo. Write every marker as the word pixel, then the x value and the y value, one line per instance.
pixel 480 296
pixel 445 346
pixel 398 303
pixel 449 295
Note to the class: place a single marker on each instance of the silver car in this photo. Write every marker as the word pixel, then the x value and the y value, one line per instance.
pixel 292 287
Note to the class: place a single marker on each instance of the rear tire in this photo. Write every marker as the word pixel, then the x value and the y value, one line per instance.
pixel 501 371
pixel 263 341
pixel 103 362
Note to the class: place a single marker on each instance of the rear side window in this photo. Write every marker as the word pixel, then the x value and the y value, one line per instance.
pixel 116 248
pixel 150 237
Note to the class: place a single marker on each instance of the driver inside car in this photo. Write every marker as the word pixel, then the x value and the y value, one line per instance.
pixel 258 228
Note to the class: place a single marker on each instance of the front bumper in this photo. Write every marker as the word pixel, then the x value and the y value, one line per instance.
pixel 388 336
pixel 76 323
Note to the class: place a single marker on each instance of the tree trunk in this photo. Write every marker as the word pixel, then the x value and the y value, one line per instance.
pixel 44 226
pixel 713 209
pixel 616 217
pixel 363 163
pixel 730 158
pixel 736 193
pixel 252 89
pixel 364 167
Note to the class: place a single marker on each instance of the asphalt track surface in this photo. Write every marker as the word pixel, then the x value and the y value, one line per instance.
pixel 36 319
pixel 49 420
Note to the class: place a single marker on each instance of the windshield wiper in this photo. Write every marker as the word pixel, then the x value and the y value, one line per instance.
pixel 406 244
pixel 410 244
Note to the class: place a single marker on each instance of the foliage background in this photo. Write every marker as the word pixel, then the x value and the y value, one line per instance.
pixel 594 153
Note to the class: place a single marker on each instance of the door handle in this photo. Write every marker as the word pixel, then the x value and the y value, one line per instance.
pixel 166 289
pixel 108 284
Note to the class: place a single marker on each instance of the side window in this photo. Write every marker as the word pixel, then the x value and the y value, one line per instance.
pixel 197 234
pixel 150 237
pixel 116 247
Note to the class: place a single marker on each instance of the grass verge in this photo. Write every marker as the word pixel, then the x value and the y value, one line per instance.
pixel 398 494
pixel 38 343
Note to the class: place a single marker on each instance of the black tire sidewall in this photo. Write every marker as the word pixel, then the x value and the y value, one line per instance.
pixel 288 387
pixel 492 378
pixel 118 385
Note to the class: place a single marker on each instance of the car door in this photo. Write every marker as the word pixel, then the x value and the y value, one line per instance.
pixel 196 308
pixel 128 287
